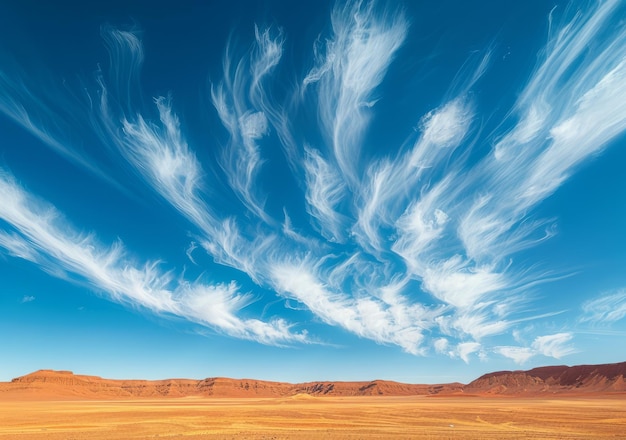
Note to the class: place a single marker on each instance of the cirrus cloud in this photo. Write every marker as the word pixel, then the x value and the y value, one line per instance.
pixel 414 245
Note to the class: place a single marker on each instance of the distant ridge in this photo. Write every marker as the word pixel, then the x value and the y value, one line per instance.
pixel 51 383
pixel 554 379
pixel 581 379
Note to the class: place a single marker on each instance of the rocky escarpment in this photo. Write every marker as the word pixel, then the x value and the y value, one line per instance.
pixel 67 384
pixel 561 379
pixel 554 379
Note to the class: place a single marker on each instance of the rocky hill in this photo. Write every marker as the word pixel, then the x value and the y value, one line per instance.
pixel 50 383
pixel 581 379
pixel 555 379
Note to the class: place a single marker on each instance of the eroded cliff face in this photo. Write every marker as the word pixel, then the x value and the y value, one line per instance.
pixel 65 383
pixel 581 379
pixel 553 379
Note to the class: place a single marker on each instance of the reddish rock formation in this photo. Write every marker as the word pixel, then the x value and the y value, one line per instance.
pixel 49 383
pixel 554 379
pixel 582 379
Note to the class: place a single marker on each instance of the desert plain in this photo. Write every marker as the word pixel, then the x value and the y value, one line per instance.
pixel 307 417
pixel 560 402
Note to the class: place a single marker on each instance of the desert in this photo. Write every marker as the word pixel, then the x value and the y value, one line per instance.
pixel 556 402
pixel 326 219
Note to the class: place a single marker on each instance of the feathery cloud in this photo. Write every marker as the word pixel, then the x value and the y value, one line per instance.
pixel 465 349
pixel 555 345
pixel 388 319
pixel 242 103
pixel 63 251
pixel 519 354
pixel 414 247
pixel 348 68
pixel 605 309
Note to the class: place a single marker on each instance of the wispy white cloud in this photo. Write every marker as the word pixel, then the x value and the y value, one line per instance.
pixel 189 252
pixel 416 244
pixel 520 355
pixel 297 236
pixel 324 192
pixel 388 318
pixel 126 57
pixel 17 99
pixel 453 282
pixel 605 309
pixel 159 152
pixel 27 299
pixel 243 106
pixel 465 349
pixel 50 116
pixel 61 250
pixel 482 216
pixel 443 127
pixel 392 184
pixel 556 345
pixel 479 324
pixel 566 114
pixel 17 247
pixel 441 345
pixel 349 66
pixel 406 194
pixel 164 158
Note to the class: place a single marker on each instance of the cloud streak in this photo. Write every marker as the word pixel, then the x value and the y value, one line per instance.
pixel 387 319
pixel 414 245
pixel 46 114
pixel 350 64
pixel 605 309
pixel 60 250
pixel 241 102
pixel 555 346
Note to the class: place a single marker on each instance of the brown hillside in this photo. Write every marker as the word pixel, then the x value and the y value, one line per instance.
pixel 373 388
pixel 554 379
pixel 581 379
pixel 51 384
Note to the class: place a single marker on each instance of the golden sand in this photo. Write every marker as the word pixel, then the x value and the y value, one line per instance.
pixel 309 417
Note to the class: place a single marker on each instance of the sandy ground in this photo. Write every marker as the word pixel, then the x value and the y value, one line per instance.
pixel 317 418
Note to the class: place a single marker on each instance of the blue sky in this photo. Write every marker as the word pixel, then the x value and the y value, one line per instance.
pixel 325 191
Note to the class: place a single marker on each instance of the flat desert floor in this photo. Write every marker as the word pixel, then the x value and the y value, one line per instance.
pixel 317 418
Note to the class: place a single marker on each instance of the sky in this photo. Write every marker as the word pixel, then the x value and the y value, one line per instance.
pixel 296 191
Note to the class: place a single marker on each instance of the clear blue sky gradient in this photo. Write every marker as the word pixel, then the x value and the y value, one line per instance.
pixel 296 191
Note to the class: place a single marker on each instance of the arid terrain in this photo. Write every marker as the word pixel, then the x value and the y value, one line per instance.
pixel 303 416
pixel 584 402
